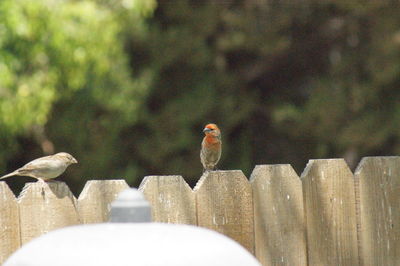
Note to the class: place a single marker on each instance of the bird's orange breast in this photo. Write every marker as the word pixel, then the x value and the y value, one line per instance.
pixel 212 142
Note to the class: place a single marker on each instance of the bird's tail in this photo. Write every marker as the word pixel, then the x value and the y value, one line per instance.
pixel 8 175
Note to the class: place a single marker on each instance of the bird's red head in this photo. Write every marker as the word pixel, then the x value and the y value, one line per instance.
pixel 212 130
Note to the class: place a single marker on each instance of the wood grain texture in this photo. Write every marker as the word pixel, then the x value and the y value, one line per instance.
pixel 96 197
pixel 171 199
pixel 278 215
pixel 329 198
pixel 225 204
pixel 379 190
pixel 45 207
pixel 9 223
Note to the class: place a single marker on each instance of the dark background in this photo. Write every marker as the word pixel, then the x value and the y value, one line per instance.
pixel 127 88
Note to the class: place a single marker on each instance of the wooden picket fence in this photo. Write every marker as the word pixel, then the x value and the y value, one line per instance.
pixel 329 216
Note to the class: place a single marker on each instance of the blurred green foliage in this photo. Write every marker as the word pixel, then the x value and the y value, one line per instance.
pixel 127 87
pixel 64 73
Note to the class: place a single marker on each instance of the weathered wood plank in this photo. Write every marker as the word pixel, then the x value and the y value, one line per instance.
pixel 379 228
pixel 9 223
pixel 45 207
pixel 171 199
pixel 96 197
pixel 329 198
pixel 225 204
pixel 278 215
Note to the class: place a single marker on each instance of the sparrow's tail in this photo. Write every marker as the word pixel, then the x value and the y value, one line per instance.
pixel 8 175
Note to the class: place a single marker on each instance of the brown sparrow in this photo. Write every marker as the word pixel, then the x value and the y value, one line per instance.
pixel 45 168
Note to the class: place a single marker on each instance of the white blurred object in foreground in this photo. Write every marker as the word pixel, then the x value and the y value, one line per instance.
pixel 132 244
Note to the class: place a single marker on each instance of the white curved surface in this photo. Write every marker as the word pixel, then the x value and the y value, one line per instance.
pixel 150 244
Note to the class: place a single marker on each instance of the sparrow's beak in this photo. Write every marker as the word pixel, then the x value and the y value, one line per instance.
pixel 206 130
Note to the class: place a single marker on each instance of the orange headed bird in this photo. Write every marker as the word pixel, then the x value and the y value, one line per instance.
pixel 211 147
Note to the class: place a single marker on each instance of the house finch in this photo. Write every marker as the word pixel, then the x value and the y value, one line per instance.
pixel 45 168
pixel 211 147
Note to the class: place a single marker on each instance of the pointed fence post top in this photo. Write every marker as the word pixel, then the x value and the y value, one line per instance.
pixel 130 207
pixel 102 186
pixel 268 171
pixel 152 180
pixel 376 162
pixel 6 192
pixel 53 189
pixel 210 177
pixel 326 167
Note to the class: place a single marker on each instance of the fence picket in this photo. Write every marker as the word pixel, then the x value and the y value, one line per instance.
pixel 225 204
pixel 171 199
pixel 328 217
pixel 45 207
pixel 9 223
pixel 379 190
pixel 278 215
pixel 330 210
pixel 96 197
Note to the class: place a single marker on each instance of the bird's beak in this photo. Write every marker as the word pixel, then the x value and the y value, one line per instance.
pixel 74 160
pixel 206 130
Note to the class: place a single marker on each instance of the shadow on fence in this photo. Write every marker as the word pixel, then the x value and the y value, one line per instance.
pixel 329 216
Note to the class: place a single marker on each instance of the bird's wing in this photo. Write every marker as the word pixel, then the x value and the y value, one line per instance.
pixel 41 163
pixel 45 158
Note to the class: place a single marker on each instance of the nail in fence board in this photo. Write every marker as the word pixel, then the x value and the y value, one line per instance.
pixel 96 197
pixel 379 190
pixel 225 204
pixel 278 215
pixel 9 223
pixel 330 211
pixel 45 207
pixel 171 199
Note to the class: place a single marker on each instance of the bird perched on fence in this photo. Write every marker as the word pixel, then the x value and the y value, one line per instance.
pixel 211 147
pixel 45 168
